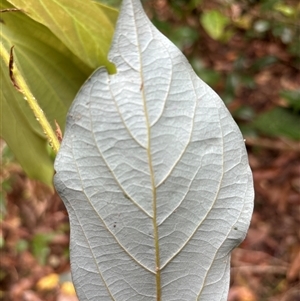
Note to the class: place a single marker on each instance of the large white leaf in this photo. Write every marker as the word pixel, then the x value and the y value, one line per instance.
pixel 154 173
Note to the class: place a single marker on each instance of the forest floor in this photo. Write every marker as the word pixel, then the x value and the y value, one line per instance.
pixel 34 241
pixel 266 266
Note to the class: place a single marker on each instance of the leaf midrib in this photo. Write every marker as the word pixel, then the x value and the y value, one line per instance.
pixel 154 194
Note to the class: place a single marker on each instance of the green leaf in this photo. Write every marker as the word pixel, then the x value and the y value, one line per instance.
pixel 210 76
pixel 293 98
pixel 113 3
pixel 22 245
pixel 54 76
pixel 263 62
pixel 111 13
pixel 214 23
pixel 279 122
pixel 80 24
pixel 268 5
pixel 183 36
pixel 40 247
pixel 288 11
pixel 18 130
pixel 154 173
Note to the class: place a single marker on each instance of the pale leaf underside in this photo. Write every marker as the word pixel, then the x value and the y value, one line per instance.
pixel 154 173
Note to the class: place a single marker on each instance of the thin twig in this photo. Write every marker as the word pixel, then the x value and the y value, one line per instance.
pixel 281 144
pixel 261 269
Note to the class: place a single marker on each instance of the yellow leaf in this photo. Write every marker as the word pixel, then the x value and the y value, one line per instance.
pixel 67 288
pixel 48 282
pixel 286 10
pixel 243 22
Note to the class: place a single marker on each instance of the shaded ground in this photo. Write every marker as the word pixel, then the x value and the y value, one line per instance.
pixel 35 230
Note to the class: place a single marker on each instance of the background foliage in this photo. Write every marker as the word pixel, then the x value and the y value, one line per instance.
pixel 57 46
pixel 248 51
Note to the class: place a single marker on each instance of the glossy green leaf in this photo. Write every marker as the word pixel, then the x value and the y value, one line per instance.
pixel 54 76
pixel 80 24
pixel 154 173
pixel 214 23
